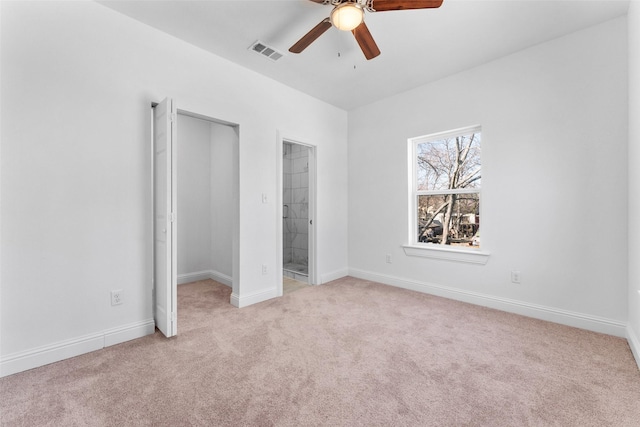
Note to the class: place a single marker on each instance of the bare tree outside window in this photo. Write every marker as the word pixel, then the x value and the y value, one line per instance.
pixel 447 188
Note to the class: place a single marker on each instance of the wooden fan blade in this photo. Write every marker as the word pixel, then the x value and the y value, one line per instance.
pixel 366 42
pixel 385 5
pixel 318 1
pixel 311 36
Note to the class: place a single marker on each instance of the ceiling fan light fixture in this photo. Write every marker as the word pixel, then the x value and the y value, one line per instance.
pixel 347 16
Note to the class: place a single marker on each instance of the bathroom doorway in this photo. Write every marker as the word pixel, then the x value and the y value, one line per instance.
pixel 298 173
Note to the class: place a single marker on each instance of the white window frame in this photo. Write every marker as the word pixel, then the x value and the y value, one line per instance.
pixel 430 250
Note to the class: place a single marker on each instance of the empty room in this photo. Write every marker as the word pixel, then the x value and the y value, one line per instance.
pixel 452 186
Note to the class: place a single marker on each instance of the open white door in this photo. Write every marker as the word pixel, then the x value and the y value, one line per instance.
pixel 165 274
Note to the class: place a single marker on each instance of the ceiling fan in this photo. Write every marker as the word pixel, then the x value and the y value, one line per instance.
pixel 348 15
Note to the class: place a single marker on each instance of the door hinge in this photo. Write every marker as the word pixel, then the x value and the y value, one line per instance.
pixel 172 117
pixel 174 317
pixel 172 217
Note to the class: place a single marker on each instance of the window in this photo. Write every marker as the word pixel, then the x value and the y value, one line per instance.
pixel 445 198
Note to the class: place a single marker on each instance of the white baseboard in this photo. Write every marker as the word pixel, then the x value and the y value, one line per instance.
pixel 634 343
pixel 333 275
pixel 129 332
pixel 22 361
pixel 254 298
pixel 193 277
pixel 204 275
pixel 221 278
pixel 25 360
pixel 551 314
pixel 235 300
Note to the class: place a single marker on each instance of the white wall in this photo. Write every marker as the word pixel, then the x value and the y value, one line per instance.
pixel 224 139
pixel 76 188
pixel 634 178
pixel 554 198
pixel 194 196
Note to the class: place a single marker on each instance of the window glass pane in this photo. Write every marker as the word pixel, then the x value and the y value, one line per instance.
pixel 449 163
pixel 456 216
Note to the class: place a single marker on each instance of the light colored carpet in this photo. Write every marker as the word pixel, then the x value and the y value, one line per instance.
pixel 348 353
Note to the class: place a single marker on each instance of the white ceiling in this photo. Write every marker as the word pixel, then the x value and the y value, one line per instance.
pixel 418 46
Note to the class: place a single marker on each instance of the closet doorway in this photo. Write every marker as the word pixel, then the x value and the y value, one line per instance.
pixel 298 207
pixel 195 205
pixel 205 173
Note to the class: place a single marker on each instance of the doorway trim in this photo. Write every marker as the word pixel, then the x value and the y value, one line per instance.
pixel 281 139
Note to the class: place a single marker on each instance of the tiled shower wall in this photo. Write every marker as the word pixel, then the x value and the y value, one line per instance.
pixel 296 204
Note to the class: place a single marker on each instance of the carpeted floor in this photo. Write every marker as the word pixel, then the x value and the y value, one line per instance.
pixel 348 353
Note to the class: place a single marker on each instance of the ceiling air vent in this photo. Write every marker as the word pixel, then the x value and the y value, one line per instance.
pixel 264 50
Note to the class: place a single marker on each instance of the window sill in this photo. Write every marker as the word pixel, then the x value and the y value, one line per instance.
pixel 448 254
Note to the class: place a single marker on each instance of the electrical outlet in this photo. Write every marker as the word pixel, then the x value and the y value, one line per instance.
pixel 264 268
pixel 515 276
pixel 388 258
pixel 116 297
